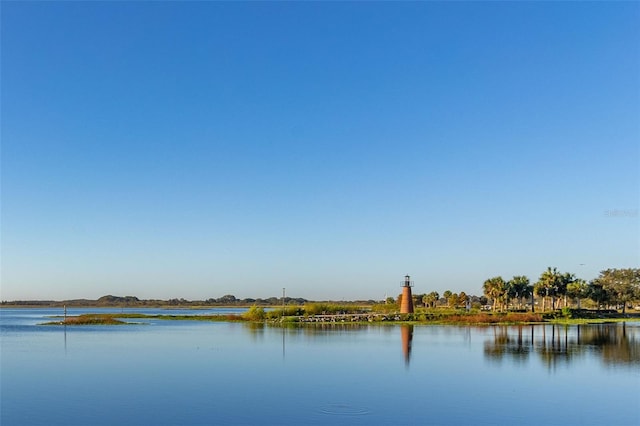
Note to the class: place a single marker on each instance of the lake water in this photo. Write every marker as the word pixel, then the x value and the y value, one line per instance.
pixel 201 373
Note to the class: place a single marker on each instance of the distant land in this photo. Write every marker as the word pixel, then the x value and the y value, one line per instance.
pixel 132 301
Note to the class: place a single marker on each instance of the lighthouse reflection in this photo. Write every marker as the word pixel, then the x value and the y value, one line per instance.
pixel 406 333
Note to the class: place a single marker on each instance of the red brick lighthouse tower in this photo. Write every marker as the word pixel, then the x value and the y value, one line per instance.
pixel 406 306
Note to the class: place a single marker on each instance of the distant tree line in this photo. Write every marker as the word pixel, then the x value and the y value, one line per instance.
pixel 132 301
pixel 230 299
pixel 613 288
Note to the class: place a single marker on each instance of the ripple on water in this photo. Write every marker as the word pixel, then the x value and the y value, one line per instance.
pixel 344 410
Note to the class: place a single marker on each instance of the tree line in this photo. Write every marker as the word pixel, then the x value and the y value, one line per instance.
pixel 612 288
pixel 448 299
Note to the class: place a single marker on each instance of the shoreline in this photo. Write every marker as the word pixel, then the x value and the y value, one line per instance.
pixel 354 319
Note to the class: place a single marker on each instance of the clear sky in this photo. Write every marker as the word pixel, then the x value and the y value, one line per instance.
pixel 196 149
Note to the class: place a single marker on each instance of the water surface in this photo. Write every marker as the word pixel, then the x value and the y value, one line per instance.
pixel 161 372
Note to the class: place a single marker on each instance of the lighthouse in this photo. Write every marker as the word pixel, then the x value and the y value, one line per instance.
pixel 406 307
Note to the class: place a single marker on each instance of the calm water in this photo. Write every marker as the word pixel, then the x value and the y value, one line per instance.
pixel 198 373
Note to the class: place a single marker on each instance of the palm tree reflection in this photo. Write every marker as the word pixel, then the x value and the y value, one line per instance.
pixel 614 344
pixel 510 343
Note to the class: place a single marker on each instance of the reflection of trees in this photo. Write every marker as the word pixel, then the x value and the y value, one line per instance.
pixel 332 329
pixel 320 329
pixel 617 344
pixel 506 343
pixel 257 327
pixel 555 347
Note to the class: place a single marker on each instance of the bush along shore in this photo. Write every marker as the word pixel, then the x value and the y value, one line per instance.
pixel 89 319
pixel 326 313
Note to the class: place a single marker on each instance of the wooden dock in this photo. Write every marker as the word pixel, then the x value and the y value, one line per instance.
pixel 339 318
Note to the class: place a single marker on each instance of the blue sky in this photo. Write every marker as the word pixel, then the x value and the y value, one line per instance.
pixel 196 149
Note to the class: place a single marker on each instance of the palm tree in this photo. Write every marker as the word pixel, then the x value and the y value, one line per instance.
pixel 462 299
pixel 447 295
pixel 431 299
pixel 577 290
pixel 598 293
pixel 541 291
pixel 496 289
pixel 518 287
pixel 565 280
pixel 548 285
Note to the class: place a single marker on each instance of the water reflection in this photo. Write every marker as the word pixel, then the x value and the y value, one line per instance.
pixel 505 343
pixel 329 331
pixel 555 345
pixel 324 329
pixel 255 329
pixel 355 372
pixel 406 332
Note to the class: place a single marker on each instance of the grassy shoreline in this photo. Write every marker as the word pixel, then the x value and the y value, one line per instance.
pixel 462 319
pixel 115 318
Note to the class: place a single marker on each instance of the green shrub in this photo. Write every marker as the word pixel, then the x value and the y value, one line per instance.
pixel 288 312
pixel 385 308
pixel 330 309
pixel 255 313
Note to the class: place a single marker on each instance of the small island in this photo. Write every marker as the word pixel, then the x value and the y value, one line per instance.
pixel 319 313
